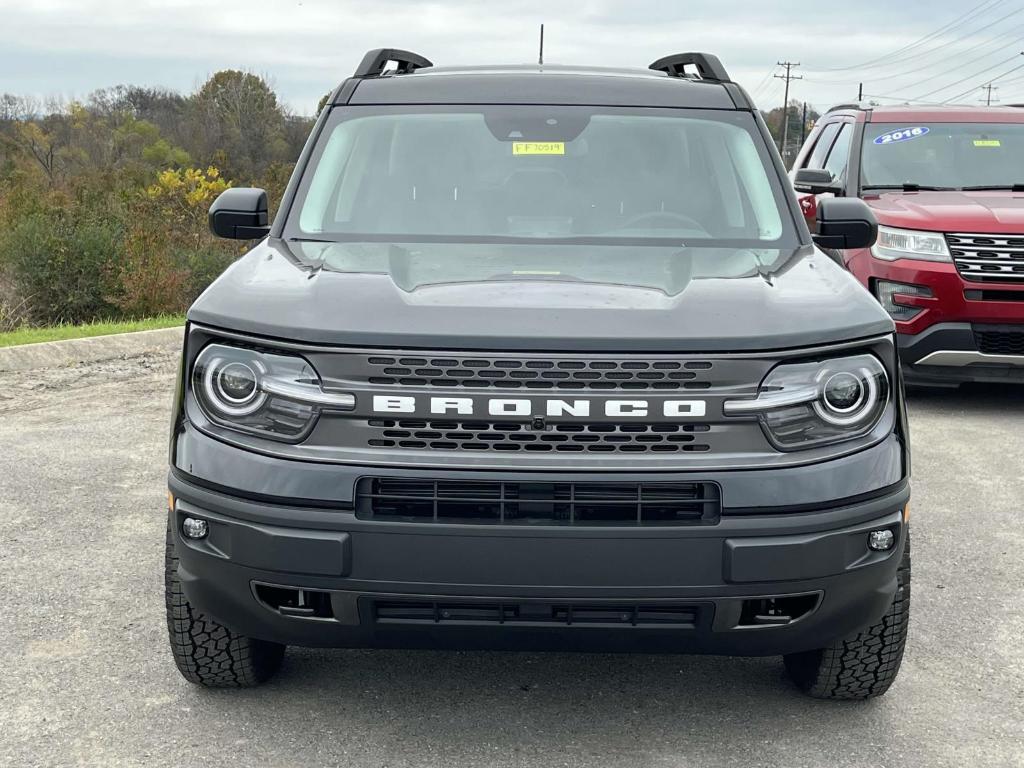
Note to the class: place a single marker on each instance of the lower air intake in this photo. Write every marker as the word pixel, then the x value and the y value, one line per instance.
pixel 999 340
pixel 535 614
pixel 537 503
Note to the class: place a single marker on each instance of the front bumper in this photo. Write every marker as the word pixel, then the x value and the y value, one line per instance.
pixel 948 354
pixel 708 578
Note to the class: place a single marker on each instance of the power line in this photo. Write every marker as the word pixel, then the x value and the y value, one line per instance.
pixel 1014 33
pixel 971 76
pixel 763 82
pixel 974 12
pixel 961 66
pixel 788 77
pixel 944 50
pixel 903 99
pixel 998 77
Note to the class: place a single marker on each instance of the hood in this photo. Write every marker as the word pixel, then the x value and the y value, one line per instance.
pixel 535 297
pixel 972 212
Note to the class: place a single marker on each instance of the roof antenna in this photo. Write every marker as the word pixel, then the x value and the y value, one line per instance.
pixel 540 59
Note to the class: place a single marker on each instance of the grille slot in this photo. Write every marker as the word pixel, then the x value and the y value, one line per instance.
pixel 999 340
pixel 572 437
pixel 984 258
pixel 548 373
pixel 537 503
pixel 535 614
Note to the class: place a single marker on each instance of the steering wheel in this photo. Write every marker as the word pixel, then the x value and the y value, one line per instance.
pixel 667 216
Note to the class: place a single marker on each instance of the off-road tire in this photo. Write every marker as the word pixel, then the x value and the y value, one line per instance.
pixel 864 664
pixel 208 653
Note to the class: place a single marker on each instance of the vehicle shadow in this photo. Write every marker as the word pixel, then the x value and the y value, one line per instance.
pixel 970 398
pixel 542 704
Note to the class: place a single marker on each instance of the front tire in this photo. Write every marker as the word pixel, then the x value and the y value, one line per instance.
pixel 865 664
pixel 208 653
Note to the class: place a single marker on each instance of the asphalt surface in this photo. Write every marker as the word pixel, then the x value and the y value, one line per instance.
pixel 89 680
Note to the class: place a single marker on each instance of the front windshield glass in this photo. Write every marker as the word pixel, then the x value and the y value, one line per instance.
pixel 541 173
pixel 943 155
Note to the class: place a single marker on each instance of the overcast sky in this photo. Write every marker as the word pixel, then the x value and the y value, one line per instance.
pixel 71 47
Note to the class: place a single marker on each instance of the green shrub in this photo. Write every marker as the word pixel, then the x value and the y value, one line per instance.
pixel 63 259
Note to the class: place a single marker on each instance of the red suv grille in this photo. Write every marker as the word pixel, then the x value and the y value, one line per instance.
pixel 984 258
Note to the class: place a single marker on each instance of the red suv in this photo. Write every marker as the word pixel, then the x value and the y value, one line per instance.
pixel 947 187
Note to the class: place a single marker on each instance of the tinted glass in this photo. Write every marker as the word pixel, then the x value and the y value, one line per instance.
pixel 839 157
pixel 954 155
pixel 817 158
pixel 535 172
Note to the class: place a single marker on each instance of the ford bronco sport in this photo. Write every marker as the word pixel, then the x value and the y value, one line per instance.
pixel 540 358
pixel 945 184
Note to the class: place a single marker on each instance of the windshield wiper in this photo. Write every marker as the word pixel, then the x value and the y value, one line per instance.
pixel 983 187
pixel 909 187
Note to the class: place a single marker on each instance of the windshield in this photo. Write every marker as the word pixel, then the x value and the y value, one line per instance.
pixel 557 174
pixel 943 155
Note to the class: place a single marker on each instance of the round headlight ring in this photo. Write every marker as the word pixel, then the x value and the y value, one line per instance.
pixel 860 410
pixel 240 377
pixel 838 381
pixel 223 401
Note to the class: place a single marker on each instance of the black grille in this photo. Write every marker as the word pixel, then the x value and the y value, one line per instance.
pixel 982 258
pixel 547 373
pixel 974 294
pixel 576 437
pixel 999 341
pixel 537 503
pixel 536 614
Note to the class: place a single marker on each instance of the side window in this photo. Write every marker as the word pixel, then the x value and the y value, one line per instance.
pixel 828 134
pixel 839 157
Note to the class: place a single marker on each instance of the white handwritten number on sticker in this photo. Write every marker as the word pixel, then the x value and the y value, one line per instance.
pixel 903 134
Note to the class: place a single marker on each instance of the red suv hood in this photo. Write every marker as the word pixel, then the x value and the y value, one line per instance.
pixel 974 212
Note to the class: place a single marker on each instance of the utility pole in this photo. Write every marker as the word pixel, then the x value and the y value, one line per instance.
pixel 540 59
pixel 988 95
pixel 803 125
pixel 789 65
pixel 860 93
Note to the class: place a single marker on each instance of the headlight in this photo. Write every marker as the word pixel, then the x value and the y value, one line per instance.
pixel 805 405
pixel 895 244
pixel 269 394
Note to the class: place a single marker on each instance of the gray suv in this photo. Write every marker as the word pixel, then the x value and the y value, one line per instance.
pixel 540 357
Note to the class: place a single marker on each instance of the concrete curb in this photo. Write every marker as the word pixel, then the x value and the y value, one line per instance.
pixel 55 354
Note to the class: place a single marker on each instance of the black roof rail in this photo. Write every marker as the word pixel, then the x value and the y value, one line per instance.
pixel 375 61
pixel 708 66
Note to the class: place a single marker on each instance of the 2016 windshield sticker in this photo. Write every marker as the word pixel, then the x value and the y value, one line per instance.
pixel 538 148
pixel 903 134
pixel 987 143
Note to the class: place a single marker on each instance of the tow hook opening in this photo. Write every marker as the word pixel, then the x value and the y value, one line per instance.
pixel 776 611
pixel 299 603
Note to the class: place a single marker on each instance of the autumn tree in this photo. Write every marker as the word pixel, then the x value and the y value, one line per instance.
pixel 239 124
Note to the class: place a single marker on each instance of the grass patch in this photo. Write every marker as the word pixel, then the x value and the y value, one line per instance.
pixel 61 332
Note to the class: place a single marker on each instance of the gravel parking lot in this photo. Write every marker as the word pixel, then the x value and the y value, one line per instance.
pixel 90 679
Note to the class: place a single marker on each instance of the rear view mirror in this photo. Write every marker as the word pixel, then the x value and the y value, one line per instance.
pixel 844 223
pixel 815 181
pixel 240 213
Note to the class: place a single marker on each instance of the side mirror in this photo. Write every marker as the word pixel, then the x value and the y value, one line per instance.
pixel 240 213
pixel 844 223
pixel 815 181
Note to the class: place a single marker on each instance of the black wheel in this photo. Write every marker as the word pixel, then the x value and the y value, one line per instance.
pixel 864 664
pixel 206 652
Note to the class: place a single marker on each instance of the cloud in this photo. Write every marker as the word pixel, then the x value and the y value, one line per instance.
pixel 306 46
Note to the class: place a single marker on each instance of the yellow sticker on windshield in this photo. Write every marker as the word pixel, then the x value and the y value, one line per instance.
pixel 538 148
pixel 987 143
